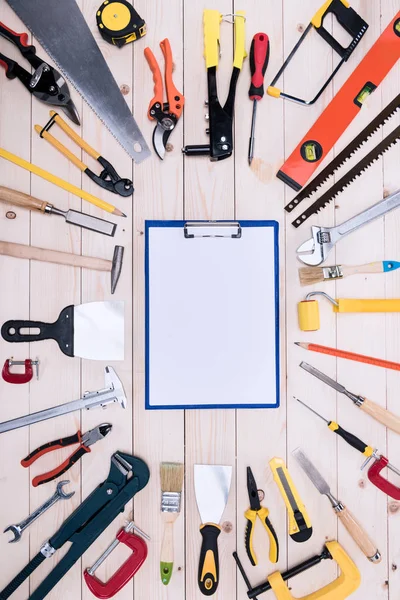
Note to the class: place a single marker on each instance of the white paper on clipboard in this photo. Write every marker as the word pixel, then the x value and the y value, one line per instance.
pixel 212 316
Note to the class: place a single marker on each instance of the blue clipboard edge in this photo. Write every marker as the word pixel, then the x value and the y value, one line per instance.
pixel 160 223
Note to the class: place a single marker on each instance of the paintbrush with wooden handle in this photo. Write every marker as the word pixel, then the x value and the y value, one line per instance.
pixel 312 275
pixel 171 476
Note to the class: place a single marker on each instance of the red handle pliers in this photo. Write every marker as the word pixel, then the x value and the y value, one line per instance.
pixel 84 441
pixel 165 113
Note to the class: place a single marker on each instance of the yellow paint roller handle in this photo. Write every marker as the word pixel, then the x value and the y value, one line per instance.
pixel 211 24
pixel 240 50
pixel 355 305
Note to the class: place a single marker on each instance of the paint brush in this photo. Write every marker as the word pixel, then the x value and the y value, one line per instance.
pixel 171 476
pixel 312 275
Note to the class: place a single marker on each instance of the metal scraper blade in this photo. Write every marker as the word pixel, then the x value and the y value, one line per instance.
pixel 99 330
pixel 61 29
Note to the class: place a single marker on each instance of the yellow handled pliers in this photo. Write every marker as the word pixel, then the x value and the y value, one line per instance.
pixel 251 515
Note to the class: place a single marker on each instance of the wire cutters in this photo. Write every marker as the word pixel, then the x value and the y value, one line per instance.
pixel 165 113
pixel 45 82
pixel 84 441
pixel 251 515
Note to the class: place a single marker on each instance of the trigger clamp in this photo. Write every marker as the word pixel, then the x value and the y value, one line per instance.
pixel 25 377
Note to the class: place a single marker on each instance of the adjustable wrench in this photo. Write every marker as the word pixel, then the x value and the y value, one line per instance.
pixel 59 494
pixel 314 251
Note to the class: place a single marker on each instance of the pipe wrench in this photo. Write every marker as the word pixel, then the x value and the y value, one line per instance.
pixel 315 251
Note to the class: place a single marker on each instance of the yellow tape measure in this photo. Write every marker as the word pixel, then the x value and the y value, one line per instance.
pixel 119 23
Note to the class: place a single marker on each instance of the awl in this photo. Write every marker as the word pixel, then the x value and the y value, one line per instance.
pixel 351 524
pixel 379 413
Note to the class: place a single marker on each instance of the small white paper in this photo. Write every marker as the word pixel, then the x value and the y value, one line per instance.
pixel 212 309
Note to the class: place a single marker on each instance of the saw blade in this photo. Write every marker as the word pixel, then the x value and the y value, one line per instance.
pixel 345 154
pixel 355 172
pixel 64 34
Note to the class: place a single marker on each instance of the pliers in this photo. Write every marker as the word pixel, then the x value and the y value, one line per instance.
pixel 165 113
pixel 251 514
pixel 84 441
pixel 45 82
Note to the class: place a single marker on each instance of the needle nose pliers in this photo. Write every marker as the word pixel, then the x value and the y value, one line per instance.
pixel 45 83
pixel 251 515
pixel 84 441
pixel 165 113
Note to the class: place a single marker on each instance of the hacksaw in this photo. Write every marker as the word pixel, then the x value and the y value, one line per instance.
pixel 64 34
pixel 340 112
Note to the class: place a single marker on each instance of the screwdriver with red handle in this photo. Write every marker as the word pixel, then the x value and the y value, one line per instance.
pixel 259 57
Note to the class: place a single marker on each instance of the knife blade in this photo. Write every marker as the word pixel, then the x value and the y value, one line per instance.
pixel 83 65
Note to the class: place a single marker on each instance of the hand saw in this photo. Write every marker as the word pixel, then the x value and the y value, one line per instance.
pixel 58 26
pixel 340 112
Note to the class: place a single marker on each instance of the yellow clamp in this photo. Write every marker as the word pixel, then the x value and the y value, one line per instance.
pixel 283 479
pixel 308 310
pixel 316 21
pixel 339 589
pixel 211 23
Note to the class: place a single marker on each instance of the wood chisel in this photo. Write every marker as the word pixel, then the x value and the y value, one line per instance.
pixel 354 528
pixel 377 412
pixel 73 217
pixel 300 529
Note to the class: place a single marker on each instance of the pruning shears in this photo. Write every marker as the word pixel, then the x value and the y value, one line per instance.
pixel 167 113
pixel 256 510
pixel 45 83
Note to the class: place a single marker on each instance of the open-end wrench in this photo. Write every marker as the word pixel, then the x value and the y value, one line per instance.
pixel 59 494
pixel 314 251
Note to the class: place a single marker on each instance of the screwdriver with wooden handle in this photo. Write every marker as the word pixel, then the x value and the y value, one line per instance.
pixel 354 528
pixel 73 217
pixel 377 412
pixel 259 57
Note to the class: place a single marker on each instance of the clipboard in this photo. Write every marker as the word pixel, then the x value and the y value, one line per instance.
pixel 212 314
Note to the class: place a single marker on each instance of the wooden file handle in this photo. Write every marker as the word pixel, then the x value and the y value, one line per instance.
pixel 54 256
pixel 21 199
pixel 382 415
pixel 360 537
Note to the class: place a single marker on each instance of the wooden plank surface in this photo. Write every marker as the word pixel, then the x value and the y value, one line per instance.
pixel 195 188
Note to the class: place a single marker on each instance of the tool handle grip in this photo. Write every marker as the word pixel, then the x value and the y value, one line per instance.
pixel 175 99
pixel 54 256
pixel 19 39
pixel 259 57
pixel 22 576
pixel 49 447
pixel 273 539
pixel 208 575
pixel 73 135
pixel 65 466
pixel 382 415
pixel 248 536
pixel 350 438
pixel 20 199
pixel 167 553
pixel 9 66
pixel 360 536
pixel 60 147
pixel 157 79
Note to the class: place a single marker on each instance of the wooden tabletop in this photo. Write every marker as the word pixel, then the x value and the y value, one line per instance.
pixel 195 188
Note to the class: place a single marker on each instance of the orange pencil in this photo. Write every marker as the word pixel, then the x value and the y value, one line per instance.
pixel 370 360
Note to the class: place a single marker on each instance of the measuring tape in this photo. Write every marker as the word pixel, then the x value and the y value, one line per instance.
pixel 119 23
pixel 347 103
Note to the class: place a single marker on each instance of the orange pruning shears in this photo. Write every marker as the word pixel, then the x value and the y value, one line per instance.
pixel 165 113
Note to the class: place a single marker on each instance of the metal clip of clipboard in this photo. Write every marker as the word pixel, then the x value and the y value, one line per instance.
pixel 212 229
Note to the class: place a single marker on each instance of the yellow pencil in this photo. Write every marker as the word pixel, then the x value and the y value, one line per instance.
pixel 60 182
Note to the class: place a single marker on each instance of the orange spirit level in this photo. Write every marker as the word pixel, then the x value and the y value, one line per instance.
pixel 338 115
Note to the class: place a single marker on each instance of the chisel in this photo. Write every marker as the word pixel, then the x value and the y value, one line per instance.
pixel 71 216
pixel 379 413
pixel 354 528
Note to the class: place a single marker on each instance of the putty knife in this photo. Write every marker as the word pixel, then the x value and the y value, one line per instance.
pixel 211 485
pixel 93 330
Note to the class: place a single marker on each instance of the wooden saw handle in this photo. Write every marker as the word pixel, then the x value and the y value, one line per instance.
pixel 54 256
pixel 382 415
pixel 360 536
